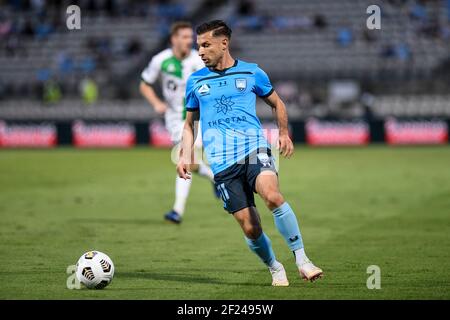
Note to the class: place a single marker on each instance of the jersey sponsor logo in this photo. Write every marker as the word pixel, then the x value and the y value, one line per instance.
pixel 241 84
pixel 204 89
pixel 223 104
pixel 171 68
pixel 229 120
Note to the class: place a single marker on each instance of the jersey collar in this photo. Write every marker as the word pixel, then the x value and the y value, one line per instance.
pixel 224 70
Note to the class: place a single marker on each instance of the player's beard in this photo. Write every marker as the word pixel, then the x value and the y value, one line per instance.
pixel 211 63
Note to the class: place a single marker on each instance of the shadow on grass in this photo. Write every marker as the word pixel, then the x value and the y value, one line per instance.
pixel 141 222
pixel 184 278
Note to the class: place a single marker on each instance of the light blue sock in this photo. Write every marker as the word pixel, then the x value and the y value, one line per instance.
pixel 287 225
pixel 263 249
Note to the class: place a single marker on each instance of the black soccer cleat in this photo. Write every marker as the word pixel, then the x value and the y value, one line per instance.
pixel 173 217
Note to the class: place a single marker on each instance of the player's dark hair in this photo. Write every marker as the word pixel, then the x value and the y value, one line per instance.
pixel 178 26
pixel 219 28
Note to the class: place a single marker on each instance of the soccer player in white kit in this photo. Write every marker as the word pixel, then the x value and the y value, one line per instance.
pixel 173 66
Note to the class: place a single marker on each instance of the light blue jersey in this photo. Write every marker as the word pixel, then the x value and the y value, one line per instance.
pixel 227 103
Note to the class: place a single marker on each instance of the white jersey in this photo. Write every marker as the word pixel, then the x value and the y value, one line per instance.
pixel 173 74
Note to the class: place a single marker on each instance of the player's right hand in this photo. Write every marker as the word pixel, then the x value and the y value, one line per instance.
pixel 182 169
pixel 285 145
pixel 160 107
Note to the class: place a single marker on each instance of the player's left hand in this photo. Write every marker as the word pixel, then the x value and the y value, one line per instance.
pixel 285 145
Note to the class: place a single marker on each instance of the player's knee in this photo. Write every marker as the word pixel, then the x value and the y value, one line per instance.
pixel 274 199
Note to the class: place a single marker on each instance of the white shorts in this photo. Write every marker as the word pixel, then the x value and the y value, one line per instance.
pixel 175 124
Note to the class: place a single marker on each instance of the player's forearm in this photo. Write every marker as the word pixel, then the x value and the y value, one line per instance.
pixel 279 111
pixel 149 93
pixel 282 117
pixel 187 142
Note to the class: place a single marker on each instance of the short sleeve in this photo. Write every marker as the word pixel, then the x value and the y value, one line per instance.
pixel 151 73
pixel 263 86
pixel 192 103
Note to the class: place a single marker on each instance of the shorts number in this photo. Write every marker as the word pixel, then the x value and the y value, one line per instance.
pixel 223 191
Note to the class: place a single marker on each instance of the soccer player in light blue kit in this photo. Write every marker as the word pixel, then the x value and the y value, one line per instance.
pixel 223 96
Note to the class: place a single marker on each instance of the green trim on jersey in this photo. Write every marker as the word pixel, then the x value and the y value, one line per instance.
pixel 172 66
pixel 184 108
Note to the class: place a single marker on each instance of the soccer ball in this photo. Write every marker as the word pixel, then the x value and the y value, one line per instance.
pixel 95 270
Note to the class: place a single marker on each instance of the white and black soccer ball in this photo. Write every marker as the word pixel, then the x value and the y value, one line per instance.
pixel 95 270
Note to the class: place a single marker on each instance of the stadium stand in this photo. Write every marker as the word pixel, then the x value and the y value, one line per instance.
pixel 401 70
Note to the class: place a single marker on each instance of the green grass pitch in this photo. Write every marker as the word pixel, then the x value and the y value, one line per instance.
pixel 356 206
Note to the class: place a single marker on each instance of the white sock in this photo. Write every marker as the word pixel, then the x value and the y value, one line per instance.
pixel 275 266
pixel 300 257
pixel 205 171
pixel 182 188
